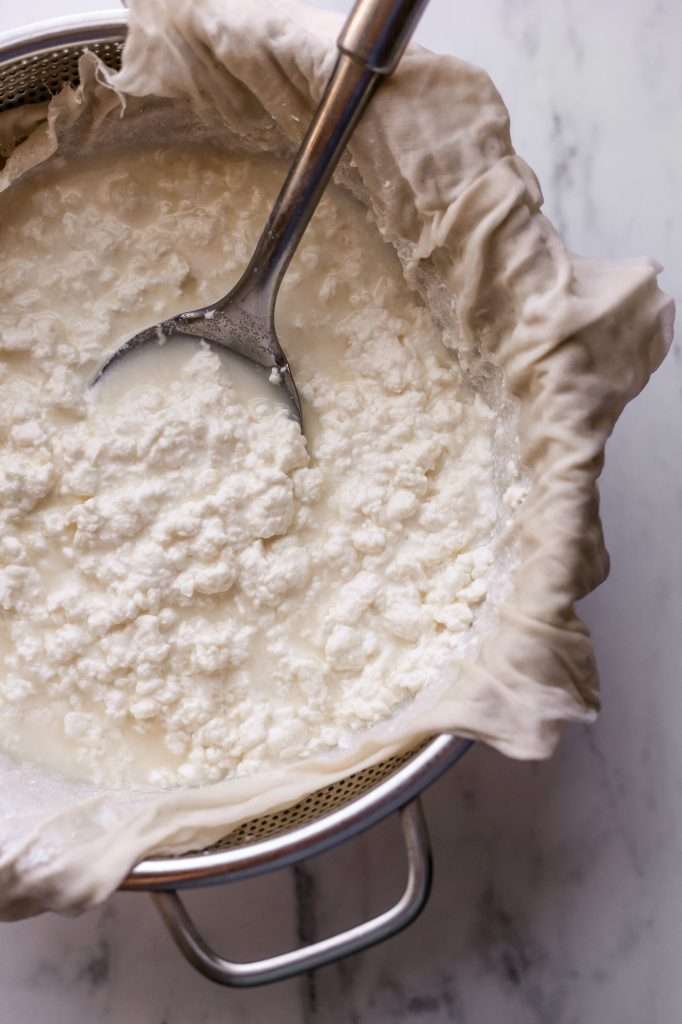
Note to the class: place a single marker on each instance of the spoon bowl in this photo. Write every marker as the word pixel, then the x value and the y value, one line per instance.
pixel 227 324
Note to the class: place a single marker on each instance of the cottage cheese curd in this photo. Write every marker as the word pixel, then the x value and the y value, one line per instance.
pixel 189 590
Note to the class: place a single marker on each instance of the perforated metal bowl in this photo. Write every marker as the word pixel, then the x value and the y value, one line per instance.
pixel 35 63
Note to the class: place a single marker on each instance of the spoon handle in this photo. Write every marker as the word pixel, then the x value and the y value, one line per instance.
pixel 370 45
pixel 377 31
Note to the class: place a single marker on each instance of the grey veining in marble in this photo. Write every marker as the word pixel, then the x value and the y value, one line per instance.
pixel 558 889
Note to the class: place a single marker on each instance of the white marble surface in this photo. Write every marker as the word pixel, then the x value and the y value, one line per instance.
pixel 558 891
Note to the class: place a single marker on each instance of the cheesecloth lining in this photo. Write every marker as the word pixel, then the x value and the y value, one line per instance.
pixel 574 339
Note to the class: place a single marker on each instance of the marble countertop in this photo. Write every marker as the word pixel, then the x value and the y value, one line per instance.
pixel 558 887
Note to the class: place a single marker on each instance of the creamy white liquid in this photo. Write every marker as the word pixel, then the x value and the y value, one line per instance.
pixel 164 362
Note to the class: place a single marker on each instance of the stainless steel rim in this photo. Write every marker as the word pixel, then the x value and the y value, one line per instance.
pixel 57 33
pixel 440 753
pixel 213 867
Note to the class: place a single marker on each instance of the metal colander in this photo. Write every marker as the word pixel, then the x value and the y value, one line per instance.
pixel 35 64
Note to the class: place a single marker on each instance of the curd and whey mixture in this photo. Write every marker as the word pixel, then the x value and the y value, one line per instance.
pixel 190 590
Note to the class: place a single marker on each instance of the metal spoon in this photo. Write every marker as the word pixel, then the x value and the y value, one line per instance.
pixel 370 45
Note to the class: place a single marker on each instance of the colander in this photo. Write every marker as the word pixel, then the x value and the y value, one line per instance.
pixel 35 63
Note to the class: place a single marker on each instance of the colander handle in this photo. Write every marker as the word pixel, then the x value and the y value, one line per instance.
pixel 285 965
